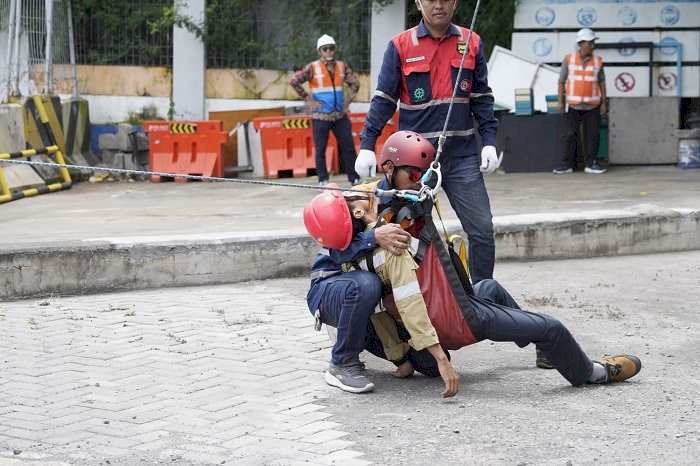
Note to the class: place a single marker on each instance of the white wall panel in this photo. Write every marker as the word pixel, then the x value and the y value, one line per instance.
pixel 538 14
pixel 633 81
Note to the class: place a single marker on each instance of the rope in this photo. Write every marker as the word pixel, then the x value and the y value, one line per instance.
pixel 427 190
pixel 443 136
pixel 405 194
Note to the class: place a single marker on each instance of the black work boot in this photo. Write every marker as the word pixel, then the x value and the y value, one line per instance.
pixel 542 362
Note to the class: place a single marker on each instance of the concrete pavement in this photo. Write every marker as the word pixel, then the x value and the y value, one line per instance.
pixel 233 375
pixel 107 237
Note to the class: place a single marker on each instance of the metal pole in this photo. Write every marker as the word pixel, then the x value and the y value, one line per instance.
pixel 18 28
pixel 10 38
pixel 48 84
pixel 71 46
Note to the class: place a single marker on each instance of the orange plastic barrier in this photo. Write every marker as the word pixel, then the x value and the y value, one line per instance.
pixel 287 143
pixel 287 146
pixel 186 147
pixel 357 120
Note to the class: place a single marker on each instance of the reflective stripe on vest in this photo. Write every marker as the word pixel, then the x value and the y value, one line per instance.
pixel 582 86
pixel 326 90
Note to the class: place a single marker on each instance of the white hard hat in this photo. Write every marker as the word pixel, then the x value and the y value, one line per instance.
pixel 586 34
pixel 324 40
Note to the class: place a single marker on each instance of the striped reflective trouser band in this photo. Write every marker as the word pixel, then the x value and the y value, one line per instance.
pixel 406 291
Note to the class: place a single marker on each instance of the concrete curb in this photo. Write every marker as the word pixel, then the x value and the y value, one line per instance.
pixel 106 265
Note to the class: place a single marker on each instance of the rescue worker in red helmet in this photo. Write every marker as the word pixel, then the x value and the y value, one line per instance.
pixel 500 318
pixel 347 300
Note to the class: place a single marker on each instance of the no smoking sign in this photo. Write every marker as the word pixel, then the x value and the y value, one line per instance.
pixel 667 81
pixel 625 82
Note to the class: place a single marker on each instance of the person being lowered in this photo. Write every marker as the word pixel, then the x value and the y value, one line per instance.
pixel 490 312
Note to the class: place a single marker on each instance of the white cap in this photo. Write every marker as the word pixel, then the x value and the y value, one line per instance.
pixel 586 34
pixel 324 40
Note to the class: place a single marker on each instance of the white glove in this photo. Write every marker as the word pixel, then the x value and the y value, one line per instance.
pixel 490 161
pixel 366 164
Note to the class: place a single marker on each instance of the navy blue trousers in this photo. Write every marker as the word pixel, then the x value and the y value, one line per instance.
pixel 466 191
pixel 343 134
pixel 501 319
pixel 349 299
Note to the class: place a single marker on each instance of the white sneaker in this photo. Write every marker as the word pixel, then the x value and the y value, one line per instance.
pixel 595 169
pixel 562 170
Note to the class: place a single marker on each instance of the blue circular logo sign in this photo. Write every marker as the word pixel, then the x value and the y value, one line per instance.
pixel 627 15
pixel 668 50
pixel 542 47
pixel 587 16
pixel 627 51
pixel 545 16
pixel 670 15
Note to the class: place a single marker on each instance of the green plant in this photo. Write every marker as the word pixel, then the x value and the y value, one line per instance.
pixel 149 112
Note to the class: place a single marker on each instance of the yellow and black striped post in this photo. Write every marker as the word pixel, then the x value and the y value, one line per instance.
pixel 7 195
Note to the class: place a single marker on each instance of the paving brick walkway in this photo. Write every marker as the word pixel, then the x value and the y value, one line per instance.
pixel 214 375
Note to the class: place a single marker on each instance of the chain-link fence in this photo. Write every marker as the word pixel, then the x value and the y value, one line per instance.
pixel 36 41
pixel 109 32
pixel 282 34
pixel 248 34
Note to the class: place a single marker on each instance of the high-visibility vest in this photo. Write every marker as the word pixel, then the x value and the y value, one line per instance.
pixel 327 90
pixel 429 70
pixel 582 86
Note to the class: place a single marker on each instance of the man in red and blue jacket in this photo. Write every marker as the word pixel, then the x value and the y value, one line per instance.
pixel 418 74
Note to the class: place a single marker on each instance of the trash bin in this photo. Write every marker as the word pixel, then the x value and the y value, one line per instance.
pixel 603 140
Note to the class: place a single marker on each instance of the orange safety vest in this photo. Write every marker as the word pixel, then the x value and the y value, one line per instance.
pixel 326 90
pixel 582 86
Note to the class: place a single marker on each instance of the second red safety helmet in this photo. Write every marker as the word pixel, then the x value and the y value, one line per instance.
pixel 407 148
pixel 327 219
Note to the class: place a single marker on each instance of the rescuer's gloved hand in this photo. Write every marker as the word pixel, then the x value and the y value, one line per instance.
pixel 490 160
pixel 366 164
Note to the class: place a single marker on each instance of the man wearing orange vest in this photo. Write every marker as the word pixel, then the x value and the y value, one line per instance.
pixel 329 105
pixel 582 88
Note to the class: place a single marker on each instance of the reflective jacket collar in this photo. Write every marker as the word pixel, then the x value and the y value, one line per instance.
pixel 423 31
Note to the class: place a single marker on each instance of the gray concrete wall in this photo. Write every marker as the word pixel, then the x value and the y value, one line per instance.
pixel 386 23
pixel 12 140
pixel 83 268
pixel 189 66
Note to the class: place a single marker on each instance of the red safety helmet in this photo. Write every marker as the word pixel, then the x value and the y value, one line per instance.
pixel 327 219
pixel 407 148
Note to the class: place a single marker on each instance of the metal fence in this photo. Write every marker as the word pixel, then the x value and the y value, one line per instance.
pixel 37 57
pixel 123 33
pixel 248 34
pixel 282 34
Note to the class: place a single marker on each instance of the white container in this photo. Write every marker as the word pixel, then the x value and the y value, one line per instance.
pixel 508 71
